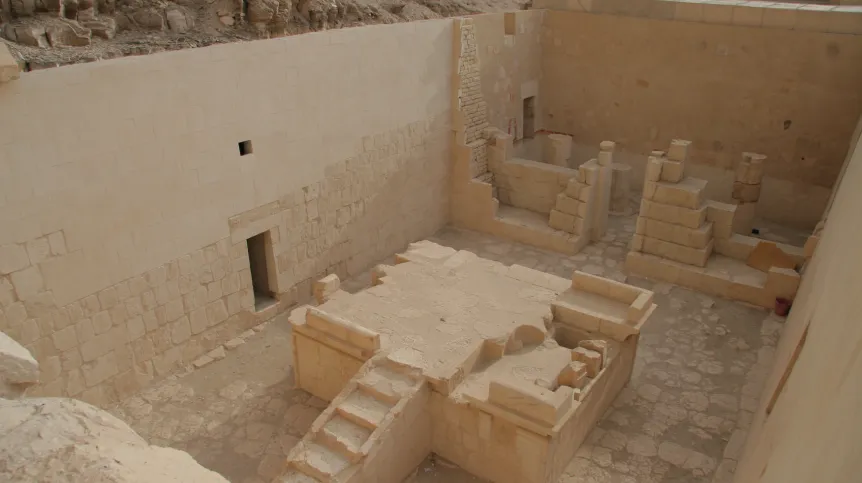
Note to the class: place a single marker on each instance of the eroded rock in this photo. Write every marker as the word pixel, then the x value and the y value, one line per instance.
pixel 68 34
pixel 179 19
pixel 65 440
pixel 149 18
pixel 105 28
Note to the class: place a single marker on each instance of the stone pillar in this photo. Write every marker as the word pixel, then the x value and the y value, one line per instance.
pixel 620 190
pixel 558 149
pixel 603 198
pixel 746 191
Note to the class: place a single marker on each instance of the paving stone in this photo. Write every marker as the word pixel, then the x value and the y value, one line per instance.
pixel 688 404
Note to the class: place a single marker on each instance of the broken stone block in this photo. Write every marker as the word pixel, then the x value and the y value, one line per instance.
pixel 600 346
pixel 325 287
pixel 68 34
pixel 105 28
pixel 17 365
pixel 574 375
pixel 32 36
pixel 179 20
pixel 262 11
pixel 23 8
pixel 149 18
pixel 591 359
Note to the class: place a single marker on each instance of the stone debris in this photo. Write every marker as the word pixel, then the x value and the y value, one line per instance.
pixel 66 440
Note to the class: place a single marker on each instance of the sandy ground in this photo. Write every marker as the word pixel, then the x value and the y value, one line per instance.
pixel 682 418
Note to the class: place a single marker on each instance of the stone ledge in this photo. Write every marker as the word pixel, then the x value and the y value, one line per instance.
pixel 839 19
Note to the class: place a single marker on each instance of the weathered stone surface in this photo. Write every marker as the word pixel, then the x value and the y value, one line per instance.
pixel 262 11
pixel 64 440
pixel 9 69
pixel 149 18
pixel 27 35
pixel 68 34
pixel 105 28
pixel 17 365
pixel 179 20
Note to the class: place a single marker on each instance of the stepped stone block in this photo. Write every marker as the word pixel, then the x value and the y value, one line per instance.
pixel 681 235
pixel 679 253
pixel 688 193
pixel 569 205
pixel 573 189
pixel 653 169
pixel 530 400
pixel 678 150
pixel 363 410
pixel 672 171
pixel 721 215
pixel 320 462
pixel 674 214
pixel 561 221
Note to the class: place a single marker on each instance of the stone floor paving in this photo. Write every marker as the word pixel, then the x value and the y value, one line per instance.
pixel 701 364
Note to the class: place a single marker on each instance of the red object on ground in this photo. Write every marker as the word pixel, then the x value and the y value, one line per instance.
pixel 782 306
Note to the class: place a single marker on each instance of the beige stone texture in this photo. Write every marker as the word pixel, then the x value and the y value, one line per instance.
pixel 510 67
pixel 819 335
pixel 84 242
pixel 557 149
pixel 66 440
pixel 444 342
pixel 9 69
pixel 794 192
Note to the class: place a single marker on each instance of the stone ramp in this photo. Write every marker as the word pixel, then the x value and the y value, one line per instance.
pixel 345 439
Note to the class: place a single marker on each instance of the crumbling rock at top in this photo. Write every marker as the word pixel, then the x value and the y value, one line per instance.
pixel 47 33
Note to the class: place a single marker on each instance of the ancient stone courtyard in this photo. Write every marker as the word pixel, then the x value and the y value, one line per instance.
pixel 587 241
pixel 682 418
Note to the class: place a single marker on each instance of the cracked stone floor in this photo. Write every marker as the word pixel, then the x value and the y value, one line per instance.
pixel 683 417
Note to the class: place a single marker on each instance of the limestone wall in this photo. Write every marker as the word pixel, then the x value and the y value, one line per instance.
pixel 805 437
pixel 531 185
pixel 730 76
pixel 510 55
pixel 125 201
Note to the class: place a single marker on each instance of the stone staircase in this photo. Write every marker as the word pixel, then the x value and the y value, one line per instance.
pixel 354 425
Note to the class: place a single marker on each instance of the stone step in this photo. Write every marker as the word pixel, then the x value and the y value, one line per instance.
pixel 688 193
pixel 294 476
pixel 679 253
pixel 345 437
pixel 386 385
pixel 320 462
pixel 363 410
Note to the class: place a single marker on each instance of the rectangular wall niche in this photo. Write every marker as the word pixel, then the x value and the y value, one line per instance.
pixel 261 260
pixel 245 148
pixel 530 117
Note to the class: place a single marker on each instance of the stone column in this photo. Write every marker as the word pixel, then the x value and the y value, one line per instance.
pixel 603 198
pixel 620 190
pixel 746 191
pixel 558 149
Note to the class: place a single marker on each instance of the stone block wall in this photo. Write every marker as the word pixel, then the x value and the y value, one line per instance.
pixel 510 56
pixel 531 185
pixel 123 255
pixel 471 107
pixel 748 64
